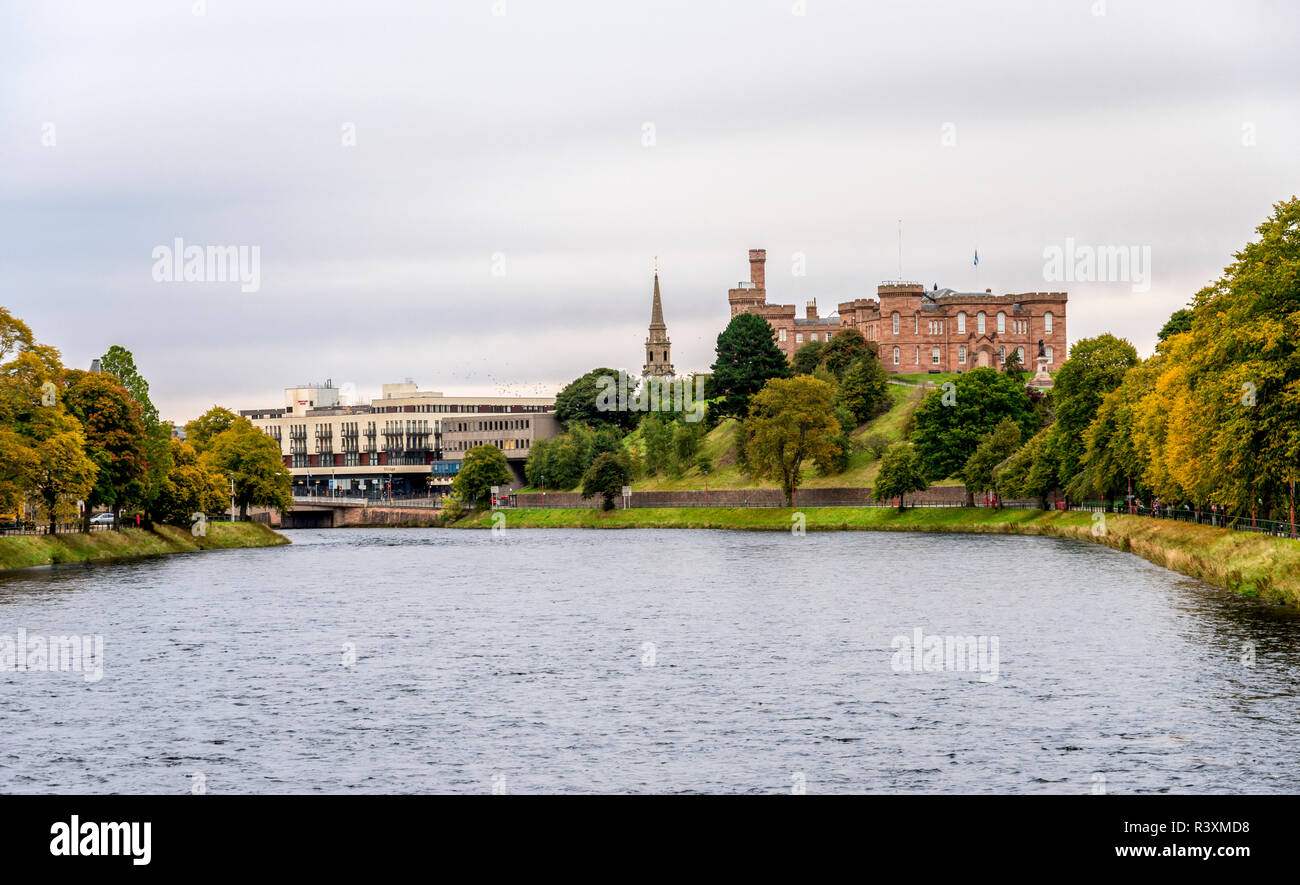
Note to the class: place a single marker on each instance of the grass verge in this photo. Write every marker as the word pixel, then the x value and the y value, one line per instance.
pixel 25 551
pixel 1242 562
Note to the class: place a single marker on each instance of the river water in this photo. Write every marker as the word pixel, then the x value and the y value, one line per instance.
pixel 435 660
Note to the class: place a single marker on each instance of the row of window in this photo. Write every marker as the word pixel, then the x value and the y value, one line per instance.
pixel 798 336
pixel 981 322
pixel 467 407
pixel 505 445
pixel 936 355
pixel 501 424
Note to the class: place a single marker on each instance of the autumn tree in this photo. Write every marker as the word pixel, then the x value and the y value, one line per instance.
pixel 790 420
pixel 252 459
pixel 114 429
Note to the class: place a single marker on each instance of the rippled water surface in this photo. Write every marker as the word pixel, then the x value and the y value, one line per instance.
pixel 647 661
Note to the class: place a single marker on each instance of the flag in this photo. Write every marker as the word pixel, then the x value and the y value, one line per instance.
pixel 977 257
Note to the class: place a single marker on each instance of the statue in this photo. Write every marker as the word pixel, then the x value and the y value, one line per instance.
pixel 1042 351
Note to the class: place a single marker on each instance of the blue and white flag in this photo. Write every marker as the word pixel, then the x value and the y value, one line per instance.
pixel 977 257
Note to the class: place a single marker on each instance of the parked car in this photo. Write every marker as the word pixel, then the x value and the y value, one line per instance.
pixel 102 519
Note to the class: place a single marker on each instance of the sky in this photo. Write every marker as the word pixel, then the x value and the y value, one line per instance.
pixel 473 193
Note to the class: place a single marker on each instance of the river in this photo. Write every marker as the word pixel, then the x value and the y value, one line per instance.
pixel 436 660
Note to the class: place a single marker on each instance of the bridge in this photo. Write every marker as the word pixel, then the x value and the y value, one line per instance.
pixel 327 511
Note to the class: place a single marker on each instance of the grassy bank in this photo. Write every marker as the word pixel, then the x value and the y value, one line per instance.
pixel 24 551
pixel 1245 563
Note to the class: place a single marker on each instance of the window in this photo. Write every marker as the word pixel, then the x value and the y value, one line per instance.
pixel 814 336
pixel 916 324
pixel 1002 323
pixel 1002 354
pixel 934 355
pixel 780 334
pixel 895 322
pixel 961 323
pixel 798 338
pixel 979 322
pixel 1020 353
pixel 916 358
pixel 1048 353
pixel 1047 321
pixel 897 353
pixel 961 354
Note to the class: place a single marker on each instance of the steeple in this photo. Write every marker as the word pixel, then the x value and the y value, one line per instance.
pixel 658 348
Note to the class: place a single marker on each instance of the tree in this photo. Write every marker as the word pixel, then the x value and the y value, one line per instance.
pixel 807 357
pixel 114 430
pixel 1023 475
pixel 192 486
pixel 1012 365
pixel 658 436
pixel 951 421
pixel 605 477
pixel 1179 321
pixel 120 362
pixel 845 348
pixel 747 358
pixel 865 389
pixel 61 471
pixel 580 402
pixel 482 468
pixel 790 420
pixel 1096 366
pixel 202 430
pixel 980 471
pixel 253 460
pixel 901 473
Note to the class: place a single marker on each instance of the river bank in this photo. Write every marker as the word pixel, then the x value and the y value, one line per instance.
pixel 1242 562
pixel 26 551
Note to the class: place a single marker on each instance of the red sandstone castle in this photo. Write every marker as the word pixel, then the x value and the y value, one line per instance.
pixel 918 330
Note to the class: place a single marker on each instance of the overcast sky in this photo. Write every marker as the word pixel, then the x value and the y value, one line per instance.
pixel 517 142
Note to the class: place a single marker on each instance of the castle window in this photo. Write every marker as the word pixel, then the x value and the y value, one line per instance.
pixel 934 355
pixel 916 324
pixel 798 337
pixel 961 354
pixel 1002 354
pixel 780 334
pixel 897 353
pixel 895 322
pixel 1047 322
pixel 1002 323
pixel 979 322
pixel 961 323
pixel 916 358
pixel 1020 353
pixel 814 336
pixel 1048 353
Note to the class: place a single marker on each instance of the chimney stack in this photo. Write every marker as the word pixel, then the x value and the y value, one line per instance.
pixel 811 309
pixel 757 258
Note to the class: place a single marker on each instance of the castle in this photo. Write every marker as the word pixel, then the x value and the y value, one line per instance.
pixel 915 329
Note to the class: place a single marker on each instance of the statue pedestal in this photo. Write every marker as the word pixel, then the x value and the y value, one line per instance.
pixel 1041 378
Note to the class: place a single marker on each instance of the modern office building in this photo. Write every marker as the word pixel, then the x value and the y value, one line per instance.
pixel 408 441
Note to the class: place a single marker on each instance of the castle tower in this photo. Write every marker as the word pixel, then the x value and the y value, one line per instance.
pixel 658 349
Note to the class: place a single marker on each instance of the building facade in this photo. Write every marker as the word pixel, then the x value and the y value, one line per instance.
pixel 658 348
pixel 406 442
pixel 920 330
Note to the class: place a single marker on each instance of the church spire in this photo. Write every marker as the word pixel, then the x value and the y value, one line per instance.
pixel 658 348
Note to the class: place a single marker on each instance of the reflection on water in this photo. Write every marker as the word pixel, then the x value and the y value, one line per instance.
pixel 414 660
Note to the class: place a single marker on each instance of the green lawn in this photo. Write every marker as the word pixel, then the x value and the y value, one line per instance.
pixel 24 551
